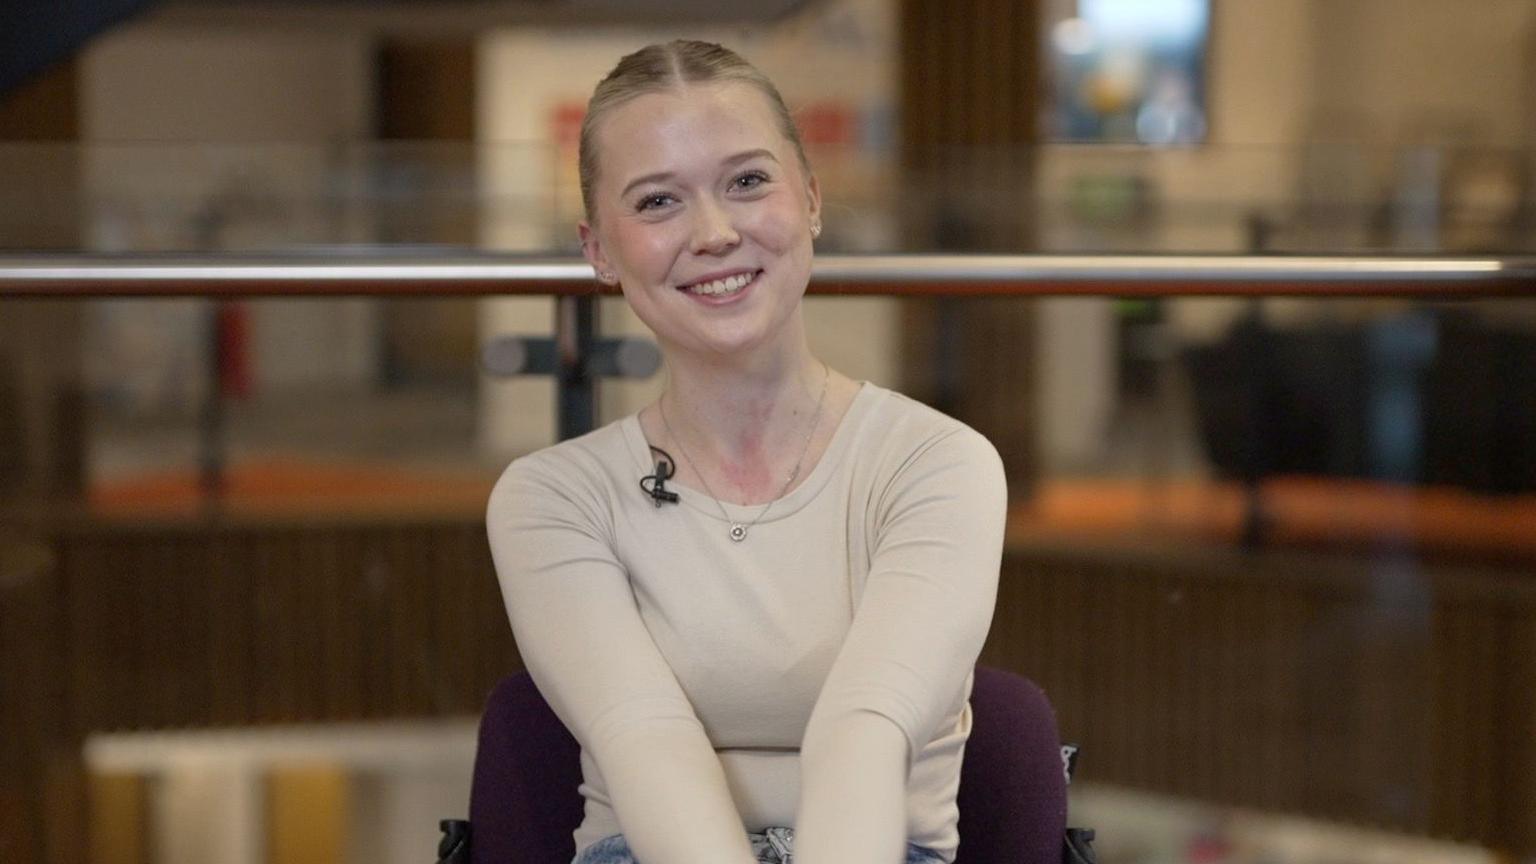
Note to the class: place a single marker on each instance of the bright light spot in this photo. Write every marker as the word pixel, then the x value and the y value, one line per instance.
pixel 1074 36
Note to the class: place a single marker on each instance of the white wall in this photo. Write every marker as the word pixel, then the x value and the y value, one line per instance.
pixel 1411 69
pixel 225 139
pixel 151 83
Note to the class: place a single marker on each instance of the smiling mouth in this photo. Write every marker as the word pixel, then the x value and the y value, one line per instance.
pixel 722 287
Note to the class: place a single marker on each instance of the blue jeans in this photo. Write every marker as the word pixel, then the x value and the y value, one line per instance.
pixel 773 846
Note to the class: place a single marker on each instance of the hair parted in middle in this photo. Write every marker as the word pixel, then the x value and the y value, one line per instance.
pixel 671 66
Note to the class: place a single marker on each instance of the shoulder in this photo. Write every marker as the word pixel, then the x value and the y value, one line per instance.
pixel 907 451
pixel 915 433
pixel 583 471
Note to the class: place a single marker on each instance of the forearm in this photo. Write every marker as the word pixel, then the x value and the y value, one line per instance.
pixel 853 792
pixel 579 631
pixel 671 797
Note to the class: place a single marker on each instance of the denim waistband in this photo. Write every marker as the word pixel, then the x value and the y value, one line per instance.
pixel 770 846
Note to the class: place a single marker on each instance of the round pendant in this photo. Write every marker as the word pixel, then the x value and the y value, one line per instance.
pixel 738 532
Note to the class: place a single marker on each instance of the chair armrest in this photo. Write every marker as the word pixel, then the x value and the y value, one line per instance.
pixel 1078 848
pixel 454 847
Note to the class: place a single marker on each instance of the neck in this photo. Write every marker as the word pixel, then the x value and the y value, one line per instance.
pixel 748 412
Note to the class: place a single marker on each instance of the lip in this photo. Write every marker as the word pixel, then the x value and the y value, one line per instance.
pixel 713 300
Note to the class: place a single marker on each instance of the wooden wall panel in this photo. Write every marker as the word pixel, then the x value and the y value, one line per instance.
pixel 1518 735
pixel 32 693
pixel 242 624
pixel 425 106
pixel 1345 689
pixel 969 85
pixel 1368 692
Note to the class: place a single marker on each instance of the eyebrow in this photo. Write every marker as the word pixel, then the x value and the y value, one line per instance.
pixel 660 176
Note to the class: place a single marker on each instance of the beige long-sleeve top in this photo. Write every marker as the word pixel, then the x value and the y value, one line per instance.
pixel 692 668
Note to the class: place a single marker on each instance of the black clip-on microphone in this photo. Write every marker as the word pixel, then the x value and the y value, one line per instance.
pixel 658 491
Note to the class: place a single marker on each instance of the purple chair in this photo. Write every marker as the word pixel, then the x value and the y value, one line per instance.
pixel 524 803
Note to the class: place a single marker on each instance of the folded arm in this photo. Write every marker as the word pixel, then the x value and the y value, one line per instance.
pixel 916 633
pixel 579 631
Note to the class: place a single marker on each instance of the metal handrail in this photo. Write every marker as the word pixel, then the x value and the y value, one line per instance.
pixel 492 274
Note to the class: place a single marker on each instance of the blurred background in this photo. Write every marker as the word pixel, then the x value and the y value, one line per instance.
pixel 1273 558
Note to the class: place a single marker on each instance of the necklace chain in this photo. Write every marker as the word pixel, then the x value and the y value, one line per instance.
pixel 738 530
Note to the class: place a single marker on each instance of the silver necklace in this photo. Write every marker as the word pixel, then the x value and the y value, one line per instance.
pixel 738 530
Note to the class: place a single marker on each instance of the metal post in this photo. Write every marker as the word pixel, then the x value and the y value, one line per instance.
pixel 575 386
pixel 211 457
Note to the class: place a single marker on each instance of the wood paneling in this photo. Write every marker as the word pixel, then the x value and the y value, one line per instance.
pixel 426 101
pixel 968 102
pixel 33 696
pixel 426 90
pixel 39 165
pixel 46 108
pixel 112 627
pixel 226 624
pixel 1377 691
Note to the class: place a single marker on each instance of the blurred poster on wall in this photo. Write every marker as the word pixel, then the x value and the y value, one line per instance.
pixel 1129 71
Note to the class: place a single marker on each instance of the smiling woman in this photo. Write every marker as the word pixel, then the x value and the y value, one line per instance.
pixel 783 656
pixel 704 214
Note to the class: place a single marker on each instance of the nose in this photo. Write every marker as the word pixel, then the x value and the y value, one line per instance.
pixel 713 231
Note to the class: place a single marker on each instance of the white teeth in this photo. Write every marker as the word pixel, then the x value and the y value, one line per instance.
pixel 728 285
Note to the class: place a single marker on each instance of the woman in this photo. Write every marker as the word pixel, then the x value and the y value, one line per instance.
pixel 782 655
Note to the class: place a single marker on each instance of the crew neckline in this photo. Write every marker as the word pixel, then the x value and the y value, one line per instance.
pixel 702 502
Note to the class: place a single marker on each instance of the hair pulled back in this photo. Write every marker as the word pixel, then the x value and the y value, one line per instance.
pixel 672 66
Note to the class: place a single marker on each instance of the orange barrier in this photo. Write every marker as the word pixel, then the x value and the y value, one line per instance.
pixel 1298 511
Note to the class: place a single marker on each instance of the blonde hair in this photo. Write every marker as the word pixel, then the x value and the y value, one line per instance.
pixel 670 66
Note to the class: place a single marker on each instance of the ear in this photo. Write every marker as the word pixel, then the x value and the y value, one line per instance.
pixel 592 250
pixel 813 194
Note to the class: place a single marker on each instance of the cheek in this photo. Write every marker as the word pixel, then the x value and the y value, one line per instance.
pixel 646 248
pixel 778 228
pixel 643 306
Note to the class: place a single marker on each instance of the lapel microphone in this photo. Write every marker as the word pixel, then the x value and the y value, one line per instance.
pixel 657 489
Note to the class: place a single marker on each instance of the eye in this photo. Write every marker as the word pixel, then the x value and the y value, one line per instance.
pixel 749 180
pixel 653 201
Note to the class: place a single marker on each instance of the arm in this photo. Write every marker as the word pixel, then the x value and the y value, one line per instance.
pixel 915 637
pixel 581 637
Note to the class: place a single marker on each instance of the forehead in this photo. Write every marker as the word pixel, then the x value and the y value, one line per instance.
pixel 693 126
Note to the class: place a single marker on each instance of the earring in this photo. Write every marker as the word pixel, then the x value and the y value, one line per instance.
pixel 605 277
pixel 815 229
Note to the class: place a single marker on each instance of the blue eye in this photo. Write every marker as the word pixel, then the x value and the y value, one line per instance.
pixel 750 180
pixel 653 201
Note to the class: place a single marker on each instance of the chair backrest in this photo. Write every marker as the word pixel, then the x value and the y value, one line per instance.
pixel 1013 786
pixel 524 804
pixel 523 800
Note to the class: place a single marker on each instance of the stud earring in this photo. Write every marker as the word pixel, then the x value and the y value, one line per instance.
pixel 815 230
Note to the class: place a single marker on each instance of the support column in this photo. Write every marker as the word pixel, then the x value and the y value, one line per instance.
pixel 42 465
pixel 41 434
pixel 969 79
